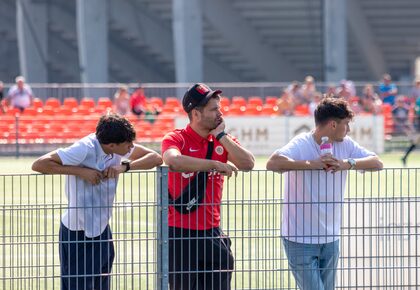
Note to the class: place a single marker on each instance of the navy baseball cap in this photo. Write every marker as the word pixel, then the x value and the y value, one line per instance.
pixel 198 95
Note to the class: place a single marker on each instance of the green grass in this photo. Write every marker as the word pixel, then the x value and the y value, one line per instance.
pixel 31 206
pixel 23 164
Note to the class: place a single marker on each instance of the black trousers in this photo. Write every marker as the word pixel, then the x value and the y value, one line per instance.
pixel 199 260
pixel 85 262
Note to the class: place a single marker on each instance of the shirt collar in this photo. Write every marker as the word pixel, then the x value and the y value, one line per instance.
pixel 101 155
pixel 190 131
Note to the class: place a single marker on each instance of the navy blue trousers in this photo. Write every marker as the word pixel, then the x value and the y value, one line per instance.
pixel 85 262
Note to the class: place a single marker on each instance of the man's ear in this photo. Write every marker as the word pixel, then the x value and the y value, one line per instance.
pixel 196 114
pixel 109 147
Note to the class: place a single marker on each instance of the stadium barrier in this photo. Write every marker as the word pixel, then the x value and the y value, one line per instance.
pixel 25 135
pixel 379 238
pixel 79 91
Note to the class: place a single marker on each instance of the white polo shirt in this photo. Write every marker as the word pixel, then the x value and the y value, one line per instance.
pixel 89 206
pixel 20 98
pixel 313 198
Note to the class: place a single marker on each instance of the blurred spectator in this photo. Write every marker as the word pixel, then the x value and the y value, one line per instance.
pixel 138 102
pixel 286 103
pixel 331 90
pixel 295 92
pixel 370 101
pixel 122 101
pixel 308 90
pixel 417 113
pixel 400 116
pixel 139 106
pixel 387 90
pixel 1 96
pixel 20 95
pixel 346 90
pixel 415 90
pixel 414 133
pixel 315 101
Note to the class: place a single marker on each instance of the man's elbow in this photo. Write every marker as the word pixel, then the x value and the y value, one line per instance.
pixel 158 161
pixel 270 166
pixel 246 165
pixel 36 166
pixel 174 163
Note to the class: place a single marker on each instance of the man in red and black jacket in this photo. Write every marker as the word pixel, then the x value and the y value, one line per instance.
pixel 199 252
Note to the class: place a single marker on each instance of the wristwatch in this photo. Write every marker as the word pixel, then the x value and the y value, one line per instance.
pixel 352 162
pixel 127 165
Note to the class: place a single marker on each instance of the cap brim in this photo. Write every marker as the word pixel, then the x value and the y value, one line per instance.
pixel 209 96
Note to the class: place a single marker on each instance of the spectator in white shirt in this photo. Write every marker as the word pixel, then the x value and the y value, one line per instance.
pixel 93 165
pixel 313 193
pixel 20 95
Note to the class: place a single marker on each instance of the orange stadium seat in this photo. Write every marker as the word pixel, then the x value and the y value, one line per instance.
pixel 31 111
pixel 269 110
pixel 13 112
pixel 37 103
pixel 386 108
pixel 70 102
pixel 172 101
pixel 155 101
pixel 105 102
pixel 270 100
pixel 239 101
pixel 48 111
pixel 255 101
pixel 253 110
pixel 82 110
pixel 236 109
pixel 101 110
pixel 65 111
pixel 52 102
pixel 87 102
pixel 301 110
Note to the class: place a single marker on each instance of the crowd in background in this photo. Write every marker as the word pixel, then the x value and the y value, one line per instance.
pixel 295 97
pixel 369 101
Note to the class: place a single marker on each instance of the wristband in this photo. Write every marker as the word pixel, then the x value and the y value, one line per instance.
pixel 220 135
pixel 127 165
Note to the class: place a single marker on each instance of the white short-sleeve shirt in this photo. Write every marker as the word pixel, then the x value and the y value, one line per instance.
pixel 20 97
pixel 89 206
pixel 313 198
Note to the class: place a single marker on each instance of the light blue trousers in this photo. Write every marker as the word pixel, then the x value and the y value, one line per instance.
pixel 314 266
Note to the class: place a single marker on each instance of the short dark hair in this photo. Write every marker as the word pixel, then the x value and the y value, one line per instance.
pixel 332 108
pixel 113 128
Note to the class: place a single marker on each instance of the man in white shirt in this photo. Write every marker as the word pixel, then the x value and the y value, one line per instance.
pixel 20 95
pixel 93 165
pixel 313 193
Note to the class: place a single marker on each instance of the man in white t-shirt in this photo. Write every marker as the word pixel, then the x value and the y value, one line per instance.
pixel 20 95
pixel 93 165
pixel 313 193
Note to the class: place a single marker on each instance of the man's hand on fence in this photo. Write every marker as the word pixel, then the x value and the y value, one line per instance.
pixel 113 171
pixel 335 164
pixel 226 169
pixel 319 163
pixel 91 175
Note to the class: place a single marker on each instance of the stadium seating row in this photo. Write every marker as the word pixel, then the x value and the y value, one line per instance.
pixel 69 129
pixel 170 106
pixel 52 118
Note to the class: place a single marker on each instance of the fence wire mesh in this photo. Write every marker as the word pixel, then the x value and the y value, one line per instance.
pixel 378 239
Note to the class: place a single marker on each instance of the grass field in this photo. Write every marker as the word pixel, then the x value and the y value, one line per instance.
pixel 31 207
pixel 23 164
